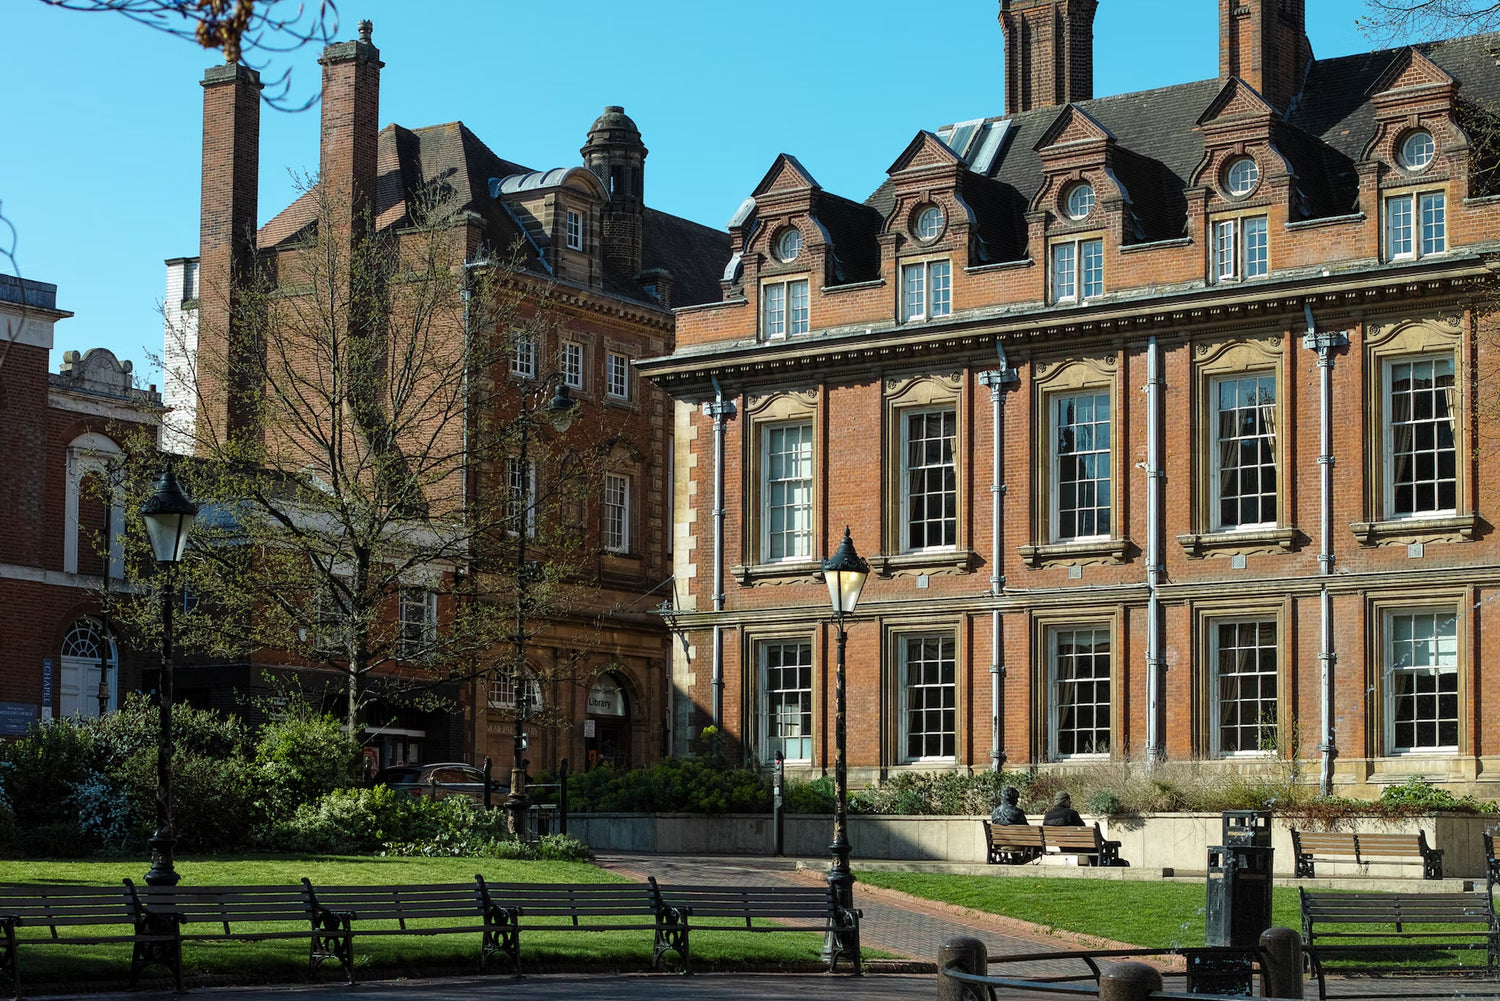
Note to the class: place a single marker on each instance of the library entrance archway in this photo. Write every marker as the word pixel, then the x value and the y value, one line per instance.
pixel 606 728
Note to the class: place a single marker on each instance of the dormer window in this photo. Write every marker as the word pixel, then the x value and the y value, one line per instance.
pixel 1417 151
pixel 788 245
pixel 575 230
pixel 1079 201
pixel 1242 177
pixel 784 308
pixel 929 223
pixel 1077 270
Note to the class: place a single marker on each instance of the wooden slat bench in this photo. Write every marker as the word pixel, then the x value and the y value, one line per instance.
pixel 685 909
pixel 65 915
pixel 1491 864
pixel 1362 849
pixel 1013 844
pixel 412 909
pixel 1385 921
pixel 512 908
pixel 234 914
pixel 1088 841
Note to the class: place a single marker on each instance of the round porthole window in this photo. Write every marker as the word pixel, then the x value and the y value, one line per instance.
pixel 788 245
pixel 1417 151
pixel 929 225
pixel 1242 176
pixel 1080 200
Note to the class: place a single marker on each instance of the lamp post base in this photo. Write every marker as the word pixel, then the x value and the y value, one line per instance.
pixel 841 881
pixel 161 872
pixel 516 809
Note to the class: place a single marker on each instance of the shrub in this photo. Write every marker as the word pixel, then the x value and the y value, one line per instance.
pixel 213 801
pixel 41 768
pixel 671 785
pixel 344 821
pixel 303 756
pixel 815 796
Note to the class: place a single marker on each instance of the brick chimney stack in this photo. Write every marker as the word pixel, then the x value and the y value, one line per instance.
pixel 351 124
pixel 616 155
pixel 226 236
pixel 1264 43
pixel 1049 52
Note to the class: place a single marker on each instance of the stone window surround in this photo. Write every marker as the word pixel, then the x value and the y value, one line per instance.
pixel 1206 614
pixel 1043 624
pixel 1456 600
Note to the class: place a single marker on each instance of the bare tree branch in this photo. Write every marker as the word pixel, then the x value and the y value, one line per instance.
pixel 1389 21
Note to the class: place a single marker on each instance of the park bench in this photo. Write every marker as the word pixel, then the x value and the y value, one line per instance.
pixel 65 915
pixel 411 909
pixel 513 908
pixel 1385 922
pixel 1491 865
pixel 167 916
pixel 687 909
pixel 1087 841
pixel 1362 849
pixel 1013 844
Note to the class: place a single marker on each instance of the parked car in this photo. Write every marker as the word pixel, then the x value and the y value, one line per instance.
pixel 443 778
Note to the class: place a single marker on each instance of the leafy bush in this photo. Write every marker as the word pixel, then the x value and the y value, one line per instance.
pixel 303 756
pixel 936 793
pixel 815 796
pixel 39 770
pixel 1418 795
pixel 670 786
pixel 342 822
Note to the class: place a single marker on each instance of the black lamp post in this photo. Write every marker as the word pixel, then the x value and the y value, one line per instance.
pixel 169 516
pixel 558 414
pixel 845 571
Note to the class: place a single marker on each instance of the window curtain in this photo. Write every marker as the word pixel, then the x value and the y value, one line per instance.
pixel 1401 439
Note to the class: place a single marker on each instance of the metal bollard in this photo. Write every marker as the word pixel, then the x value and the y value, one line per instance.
pixel 1128 982
pixel 1281 977
pixel 967 955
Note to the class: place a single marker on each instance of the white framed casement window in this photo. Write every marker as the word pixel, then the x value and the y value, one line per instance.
pixel 575 230
pixel 929 697
pixel 616 513
pixel 1243 482
pixel 1077 271
pixel 1420 669
pixel 786 492
pixel 1078 683
pixel 1081 466
pixel 926 290
pixel 784 308
pixel 1241 249
pixel 1243 711
pixel 572 365
pixel 523 356
pixel 520 483
pixel 929 479
pixel 417 622
pixel 1421 463
pixel 786 710
pixel 617 375
pixel 1416 225
pixel 503 692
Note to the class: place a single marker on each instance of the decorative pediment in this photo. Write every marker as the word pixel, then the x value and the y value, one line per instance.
pixel 926 150
pixel 1074 125
pixel 1410 69
pixel 786 174
pixel 1236 101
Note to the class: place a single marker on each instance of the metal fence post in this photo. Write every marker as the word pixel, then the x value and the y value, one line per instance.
pixel 1281 974
pixel 967 955
pixel 562 797
pixel 1128 982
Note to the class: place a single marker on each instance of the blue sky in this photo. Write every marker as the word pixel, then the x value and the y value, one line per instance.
pixel 103 117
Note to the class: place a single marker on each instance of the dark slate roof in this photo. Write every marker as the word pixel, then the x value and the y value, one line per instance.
pixel 449 161
pixel 855 232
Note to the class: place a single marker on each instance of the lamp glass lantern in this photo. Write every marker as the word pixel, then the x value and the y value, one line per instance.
pixel 169 518
pixel 562 408
pixel 846 572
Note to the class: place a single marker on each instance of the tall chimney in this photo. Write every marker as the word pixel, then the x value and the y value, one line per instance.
pixel 1264 43
pixel 615 153
pixel 351 125
pixel 226 241
pixel 1049 52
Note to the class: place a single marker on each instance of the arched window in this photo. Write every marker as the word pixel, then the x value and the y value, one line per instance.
pixel 78 687
pixel 91 455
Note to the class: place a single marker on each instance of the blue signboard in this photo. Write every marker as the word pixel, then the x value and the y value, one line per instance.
pixel 46 686
pixel 16 717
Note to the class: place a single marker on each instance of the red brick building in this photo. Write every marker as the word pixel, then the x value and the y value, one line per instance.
pixel 64 431
pixel 1161 417
pixel 611 269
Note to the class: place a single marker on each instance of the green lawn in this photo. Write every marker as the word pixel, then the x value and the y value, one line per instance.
pixel 377 957
pixel 1145 913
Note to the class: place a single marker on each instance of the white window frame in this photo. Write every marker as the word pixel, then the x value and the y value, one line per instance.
pixel 799 538
pixel 774 738
pixel 523 356
pixel 1265 434
pixel 518 479
pixel 926 290
pixel 574 224
pixel 417 621
pixel 1449 399
pixel 1441 658
pixel 1241 248
pixel 1074 284
pixel 1416 225
pixel 791 313
pixel 616 505
pixel 1056 710
pixel 907 416
pixel 617 375
pixel 1055 404
pixel 1257 675
pixel 573 364
pixel 916 695
pixel 502 693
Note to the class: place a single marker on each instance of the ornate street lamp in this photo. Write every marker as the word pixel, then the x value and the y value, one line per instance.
pixel 169 517
pixel 557 414
pixel 846 572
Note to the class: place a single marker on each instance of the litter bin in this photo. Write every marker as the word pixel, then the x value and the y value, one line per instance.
pixel 1239 895
pixel 1246 827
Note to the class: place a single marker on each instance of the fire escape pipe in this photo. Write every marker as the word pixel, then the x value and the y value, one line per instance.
pixel 722 411
pixel 1324 343
pixel 1000 381
pixel 1155 664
